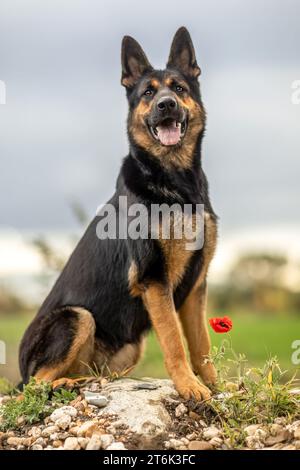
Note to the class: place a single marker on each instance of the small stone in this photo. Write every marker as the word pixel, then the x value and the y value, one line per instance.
pixel 275 429
pixel 14 441
pixel 106 440
pixel 27 441
pixel 95 399
pixel 94 443
pixel 40 441
pixel 281 437
pixel 57 443
pixel 83 442
pixel 281 420
pixel 184 441
pixel 211 432
pixel 116 446
pixel 94 387
pixel 63 422
pixel 87 429
pixel 250 430
pixel 192 436
pixel 74 430
pixel 216 441
pixel 254 443
pixel 71 443
pixel 49 430
pixel 297 433
pixel 202 423
pixel 175 443
pixel 200 445
pixel 64 410
pixel 297 445
pixel 20 447
pixel 37 447
pixel 62 435
pixel 35 432
pixel 194 415
pixel 180 410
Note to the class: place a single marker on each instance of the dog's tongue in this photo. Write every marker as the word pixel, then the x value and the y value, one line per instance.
pixel 170 134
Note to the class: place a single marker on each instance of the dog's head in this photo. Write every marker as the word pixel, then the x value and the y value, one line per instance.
pixel 166 115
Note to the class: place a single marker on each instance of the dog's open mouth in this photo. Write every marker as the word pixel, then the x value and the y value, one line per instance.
pixel 169 131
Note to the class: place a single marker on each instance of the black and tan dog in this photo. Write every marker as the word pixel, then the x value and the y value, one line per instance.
pixel 112 291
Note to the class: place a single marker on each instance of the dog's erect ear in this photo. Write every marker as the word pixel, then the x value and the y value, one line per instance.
pixel 182 54
pixel 134 62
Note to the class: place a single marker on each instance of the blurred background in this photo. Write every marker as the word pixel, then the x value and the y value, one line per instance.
pixel 62 138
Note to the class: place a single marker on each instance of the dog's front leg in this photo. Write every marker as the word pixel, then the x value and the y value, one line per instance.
pixel 159 302
pixel 193 320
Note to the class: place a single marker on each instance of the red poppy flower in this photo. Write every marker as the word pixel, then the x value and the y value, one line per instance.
pixel 221 325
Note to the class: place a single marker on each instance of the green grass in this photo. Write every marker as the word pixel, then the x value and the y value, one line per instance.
pixel 257 336
pixel 33 406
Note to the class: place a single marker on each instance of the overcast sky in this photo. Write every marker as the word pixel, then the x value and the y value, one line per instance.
pixel 62 130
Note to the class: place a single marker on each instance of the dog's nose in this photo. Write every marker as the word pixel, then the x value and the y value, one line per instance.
pixel 167 103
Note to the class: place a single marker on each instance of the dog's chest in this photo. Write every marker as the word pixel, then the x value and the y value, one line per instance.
pixel 185 235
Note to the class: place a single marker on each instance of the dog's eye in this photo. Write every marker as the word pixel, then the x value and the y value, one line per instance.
pixel 179 88
pixel 148 92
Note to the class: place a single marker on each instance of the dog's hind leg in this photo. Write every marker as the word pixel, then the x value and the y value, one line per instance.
pixel 58 345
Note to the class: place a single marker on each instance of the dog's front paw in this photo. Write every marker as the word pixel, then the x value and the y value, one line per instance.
pixel 207 372
pixel 189 388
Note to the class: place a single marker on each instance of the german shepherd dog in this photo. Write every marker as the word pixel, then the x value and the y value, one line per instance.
pixel 112 291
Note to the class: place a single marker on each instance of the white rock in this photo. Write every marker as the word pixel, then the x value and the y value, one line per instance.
pixel 253 443
pixel 40 441
pixel 251 429
pixel 211 432
pixel 116 446
pixel 185 441
pixel 85 427
pixel 180 410
pixel 64 410
pixel 36 447
pixel 94 443
pixel 142 411
pixel 49 430
pixel 95 399
pixel 106 440
pixel 216 441
pixel 83 442
pixel 71 443
pixel 63 422
pixel 175 443
pixel 35 432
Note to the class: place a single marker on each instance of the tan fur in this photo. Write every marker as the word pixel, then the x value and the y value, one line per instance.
pixel 175 253
pixel 155 83
pixel 135 288
pixel 193 320
pixel 121 361
pixel 159 303
pixel 79 354
pixel 209 248
pixel 126 358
